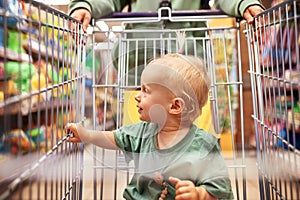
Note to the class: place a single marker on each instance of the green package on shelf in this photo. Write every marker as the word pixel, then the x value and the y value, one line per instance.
pixel 21 73
pixel 11 19
pixel 37 134
pixel 14 41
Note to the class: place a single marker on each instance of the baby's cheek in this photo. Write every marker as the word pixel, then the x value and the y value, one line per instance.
pixel 158 114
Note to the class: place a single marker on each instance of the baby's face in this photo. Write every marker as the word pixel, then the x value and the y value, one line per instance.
pixel 155 98
pixel 153 102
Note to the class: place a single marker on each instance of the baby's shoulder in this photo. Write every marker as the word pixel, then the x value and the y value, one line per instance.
pixel 139 129
pixel 205 142
pixel 205 136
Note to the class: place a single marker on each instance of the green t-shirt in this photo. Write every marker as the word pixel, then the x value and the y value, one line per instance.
pixel 197 157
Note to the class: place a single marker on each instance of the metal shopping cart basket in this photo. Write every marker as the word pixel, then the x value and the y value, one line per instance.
pixel 41 88
pixel 122 45
pixel 274 69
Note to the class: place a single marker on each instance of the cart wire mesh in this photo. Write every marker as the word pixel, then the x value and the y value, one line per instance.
pixel 42 82
pixel 273 42
pixel 121 46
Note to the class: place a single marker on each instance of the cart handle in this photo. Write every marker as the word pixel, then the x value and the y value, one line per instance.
pixel 184 13
pixel 164 13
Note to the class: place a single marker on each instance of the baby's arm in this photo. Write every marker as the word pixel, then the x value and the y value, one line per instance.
pixel 104 139
pixel 187 190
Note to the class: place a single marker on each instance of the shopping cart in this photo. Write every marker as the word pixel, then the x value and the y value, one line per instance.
pixel 275 78
pixel 122 47
pixel 41 88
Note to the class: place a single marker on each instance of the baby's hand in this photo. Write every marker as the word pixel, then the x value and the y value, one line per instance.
pixel 71 129
pixel 184 189
pixel 187 190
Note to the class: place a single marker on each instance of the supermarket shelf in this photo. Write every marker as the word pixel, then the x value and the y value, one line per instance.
pixel 14 105
pixel 38 49
pixel 14 56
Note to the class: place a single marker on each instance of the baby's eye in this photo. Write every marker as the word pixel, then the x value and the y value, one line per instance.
pixel 144 89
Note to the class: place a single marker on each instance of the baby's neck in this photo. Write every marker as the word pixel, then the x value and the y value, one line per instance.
pixel 168 137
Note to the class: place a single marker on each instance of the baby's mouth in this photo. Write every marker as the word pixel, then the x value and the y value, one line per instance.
pixel 139 109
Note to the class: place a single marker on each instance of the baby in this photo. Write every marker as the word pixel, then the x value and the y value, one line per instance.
pixel 172 156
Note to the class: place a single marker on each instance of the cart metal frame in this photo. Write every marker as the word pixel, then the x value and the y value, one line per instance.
pixel 110 95
pixel 273 46
pixel 37 162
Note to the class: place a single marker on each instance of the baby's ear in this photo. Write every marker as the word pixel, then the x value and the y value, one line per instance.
pixel 177 106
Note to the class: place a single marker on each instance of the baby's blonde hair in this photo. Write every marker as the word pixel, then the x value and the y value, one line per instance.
pixel 191 69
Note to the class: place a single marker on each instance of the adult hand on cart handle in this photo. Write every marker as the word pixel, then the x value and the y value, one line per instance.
pixel 249 15
pixel 186 190
pixel 83 16
pixel 251 12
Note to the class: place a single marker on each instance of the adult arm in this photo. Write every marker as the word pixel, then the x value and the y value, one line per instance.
pixel 84 10
pixel 97 8
pixel 240 8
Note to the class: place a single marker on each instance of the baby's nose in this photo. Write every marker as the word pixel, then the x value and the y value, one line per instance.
pixel 137 97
